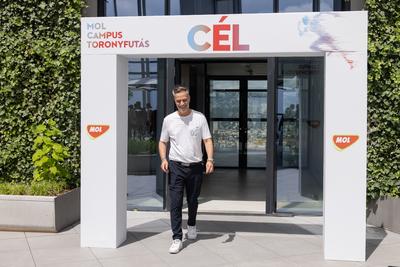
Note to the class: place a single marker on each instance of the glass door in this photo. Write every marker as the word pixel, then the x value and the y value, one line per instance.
pixel 256 129
pixel 224 121
pixel 300 104
pixel 238 121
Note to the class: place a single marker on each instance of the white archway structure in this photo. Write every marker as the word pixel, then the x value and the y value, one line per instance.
pixel 341 37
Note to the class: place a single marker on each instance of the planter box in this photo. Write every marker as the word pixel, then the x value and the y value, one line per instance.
pixel 39 213
pixel 385 213
pixel 142 164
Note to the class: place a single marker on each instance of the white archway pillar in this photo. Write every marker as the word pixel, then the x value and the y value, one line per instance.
pixel 345 113
pixel 104 102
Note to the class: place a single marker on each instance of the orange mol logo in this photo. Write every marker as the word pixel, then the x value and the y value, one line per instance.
pixel 97 130
pixel 344 141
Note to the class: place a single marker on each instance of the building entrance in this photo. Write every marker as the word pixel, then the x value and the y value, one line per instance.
pixel 235 98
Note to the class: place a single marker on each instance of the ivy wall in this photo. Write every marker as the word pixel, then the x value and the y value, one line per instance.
pixel 383 98
pixel 40 80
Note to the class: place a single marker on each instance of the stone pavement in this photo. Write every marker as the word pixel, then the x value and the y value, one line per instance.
pixel 223 240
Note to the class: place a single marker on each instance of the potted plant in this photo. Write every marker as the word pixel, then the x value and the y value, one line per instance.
pixel 142 157
pixel 48 202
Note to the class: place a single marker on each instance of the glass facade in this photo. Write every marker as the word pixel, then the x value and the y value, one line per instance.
pixel 193 7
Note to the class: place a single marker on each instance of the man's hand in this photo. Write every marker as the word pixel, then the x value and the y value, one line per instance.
pixel 209 167
pixel 162 149
pixel 210 152
pixel 164 166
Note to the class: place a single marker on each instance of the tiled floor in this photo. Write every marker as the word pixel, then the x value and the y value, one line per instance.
pixel 224 240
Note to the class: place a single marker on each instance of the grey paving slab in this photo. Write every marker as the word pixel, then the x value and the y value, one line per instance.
pixel 133 261
pixel 158 225
pixel 192 253
pixel 386 254
pixel 265 263
pixel 54 241
pixel 287 245
pixel 84 263
pixel 235 249
pixel 58 255
pixel 13 244
pixel 16 258
pixel 132 247
pixel 316 259
pixel 11 235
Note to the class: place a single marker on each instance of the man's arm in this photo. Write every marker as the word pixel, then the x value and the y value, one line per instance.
pixel 210 155
pixel 162 150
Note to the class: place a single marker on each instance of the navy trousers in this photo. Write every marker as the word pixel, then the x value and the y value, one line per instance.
pixel 189 177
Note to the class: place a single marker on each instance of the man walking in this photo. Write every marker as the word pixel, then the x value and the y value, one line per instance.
pixel 185 129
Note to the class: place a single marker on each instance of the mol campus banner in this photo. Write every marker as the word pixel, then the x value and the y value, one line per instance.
pixel 169 36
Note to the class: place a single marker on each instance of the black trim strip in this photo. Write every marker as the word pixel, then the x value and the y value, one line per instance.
pixel 270 205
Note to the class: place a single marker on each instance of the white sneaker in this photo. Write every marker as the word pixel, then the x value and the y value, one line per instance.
pixel 176 246
pixel 192 232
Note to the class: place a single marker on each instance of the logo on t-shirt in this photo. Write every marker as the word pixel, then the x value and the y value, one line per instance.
pixel 195 131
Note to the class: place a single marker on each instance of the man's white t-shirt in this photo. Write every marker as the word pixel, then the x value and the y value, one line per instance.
pixel 185 134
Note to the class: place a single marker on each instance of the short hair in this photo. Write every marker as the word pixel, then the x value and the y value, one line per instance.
pixel 179 88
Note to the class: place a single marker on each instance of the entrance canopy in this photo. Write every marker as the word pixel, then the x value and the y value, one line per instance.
pixel 340 37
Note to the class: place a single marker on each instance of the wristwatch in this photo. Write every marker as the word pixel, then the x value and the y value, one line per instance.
pixel 211 159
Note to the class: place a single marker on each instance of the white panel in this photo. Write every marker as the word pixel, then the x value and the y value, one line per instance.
pixel 308 32
pixel 345 170
pixel 102 179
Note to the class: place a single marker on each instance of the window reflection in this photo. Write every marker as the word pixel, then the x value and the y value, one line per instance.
pixel 144 188
pixel 134 8
pixel 224 7
pixel 326 5
pixel 121 8
pixel 254 6
pixel 175 7
pixel 295 5
pixel 153 7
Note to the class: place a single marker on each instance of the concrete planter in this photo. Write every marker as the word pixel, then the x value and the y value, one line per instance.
pixel 385 213
pixel 39 213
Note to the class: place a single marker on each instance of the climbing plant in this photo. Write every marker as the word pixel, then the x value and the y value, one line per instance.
pixel 39 80
pixel 383 98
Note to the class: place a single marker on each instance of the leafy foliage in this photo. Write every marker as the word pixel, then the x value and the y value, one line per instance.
pixel 44 188
pixel 383 98
pixel 142 146
pixel 49 156
pixel 39 80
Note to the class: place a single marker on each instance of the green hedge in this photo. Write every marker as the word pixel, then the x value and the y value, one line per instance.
pixel 383 98
pixel 40 80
